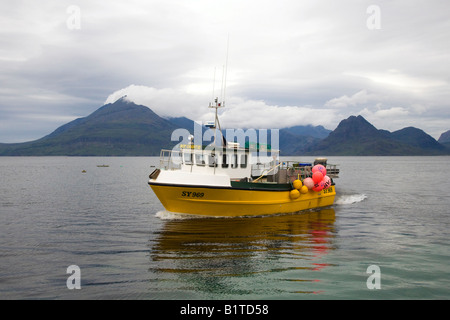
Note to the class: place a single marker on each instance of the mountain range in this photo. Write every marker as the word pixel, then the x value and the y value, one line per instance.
pixel 123 128
pixel 356 136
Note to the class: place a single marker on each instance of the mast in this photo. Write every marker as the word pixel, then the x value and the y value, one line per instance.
pixel 216 106
pixel 221 104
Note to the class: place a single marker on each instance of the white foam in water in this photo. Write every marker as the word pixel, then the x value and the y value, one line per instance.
pixel 167 215
pixel 350 199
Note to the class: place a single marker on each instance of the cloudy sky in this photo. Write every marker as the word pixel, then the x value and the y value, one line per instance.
pixel 290 62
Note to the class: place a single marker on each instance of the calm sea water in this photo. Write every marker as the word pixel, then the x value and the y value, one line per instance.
pixel 390 212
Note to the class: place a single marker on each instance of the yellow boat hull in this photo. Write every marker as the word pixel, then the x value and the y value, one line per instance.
pixel 232 202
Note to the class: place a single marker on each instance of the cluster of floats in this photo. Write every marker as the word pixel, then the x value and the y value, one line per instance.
pixel 233 180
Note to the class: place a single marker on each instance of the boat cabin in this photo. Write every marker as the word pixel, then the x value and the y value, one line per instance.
pixel 236 162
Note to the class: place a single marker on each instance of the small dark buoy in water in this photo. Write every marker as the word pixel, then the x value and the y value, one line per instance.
pixel 84 171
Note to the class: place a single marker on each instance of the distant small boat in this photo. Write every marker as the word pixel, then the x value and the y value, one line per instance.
pixel 84 171
pixel 103 165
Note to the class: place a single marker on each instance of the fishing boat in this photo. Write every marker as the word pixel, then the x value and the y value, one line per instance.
pixel 228 179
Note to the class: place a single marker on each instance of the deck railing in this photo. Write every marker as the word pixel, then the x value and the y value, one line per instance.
pixel 288 171
pixel 170 160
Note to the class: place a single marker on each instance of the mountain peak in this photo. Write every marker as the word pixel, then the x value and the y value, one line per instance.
pixel 417 138
pixel 356 136
pixel 354 127
pixel 115 129
pixel 309 130
pixel 122 110
pixel 445 137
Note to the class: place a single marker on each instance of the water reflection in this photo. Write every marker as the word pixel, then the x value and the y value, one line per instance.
pixel 218 255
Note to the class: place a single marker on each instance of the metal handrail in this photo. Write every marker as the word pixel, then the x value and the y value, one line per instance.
pixel 165 160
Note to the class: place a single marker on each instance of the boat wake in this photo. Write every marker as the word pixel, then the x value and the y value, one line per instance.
pixel 167 215
pixel 350 199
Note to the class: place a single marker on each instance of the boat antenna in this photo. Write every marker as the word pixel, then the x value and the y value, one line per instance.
pixel 225 72
pixel 214 85
pixel 216 106
pixel 221 104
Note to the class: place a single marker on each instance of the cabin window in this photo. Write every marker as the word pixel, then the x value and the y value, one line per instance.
pixel 199 159
pixel 224 161
pixel 212 160
pixel 244 161
pixel 188 158
pixel 234 161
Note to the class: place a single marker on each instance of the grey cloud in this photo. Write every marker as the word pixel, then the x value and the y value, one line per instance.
pixel 306 54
